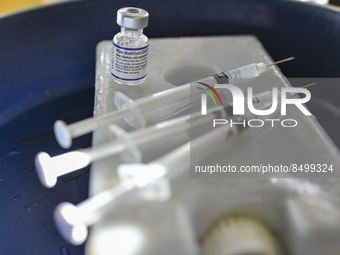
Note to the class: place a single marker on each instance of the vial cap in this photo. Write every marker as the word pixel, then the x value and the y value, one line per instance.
pixel 132 17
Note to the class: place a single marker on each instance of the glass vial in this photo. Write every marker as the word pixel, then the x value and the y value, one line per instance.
pixel 130 47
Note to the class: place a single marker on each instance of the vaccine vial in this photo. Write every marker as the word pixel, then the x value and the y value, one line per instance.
pixel 130 47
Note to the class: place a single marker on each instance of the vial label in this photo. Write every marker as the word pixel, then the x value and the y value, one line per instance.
pixel 129 64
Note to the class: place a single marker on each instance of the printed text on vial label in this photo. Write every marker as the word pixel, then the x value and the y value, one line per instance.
pixel 129 64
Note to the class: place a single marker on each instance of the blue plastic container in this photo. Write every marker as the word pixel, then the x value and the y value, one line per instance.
pixel 47 68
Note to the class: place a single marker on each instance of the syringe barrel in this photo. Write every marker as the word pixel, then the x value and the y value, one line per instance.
pixel 179 127
pixel 241 74
pixel 100 205
pixel 199 149
pixel 175 162
pixel 167 103
pixel 163 99
pixel 162 131
pixel 87 125
pixel 205 146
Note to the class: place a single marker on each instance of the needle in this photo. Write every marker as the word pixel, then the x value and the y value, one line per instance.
pixel 281 61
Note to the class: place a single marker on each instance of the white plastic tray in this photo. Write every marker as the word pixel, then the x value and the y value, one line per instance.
pixel 140 227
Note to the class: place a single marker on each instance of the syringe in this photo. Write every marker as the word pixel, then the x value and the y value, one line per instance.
pixel 155 107
pixel 126 144
pixel 247 72
pixel 129 144
pixel 73 221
